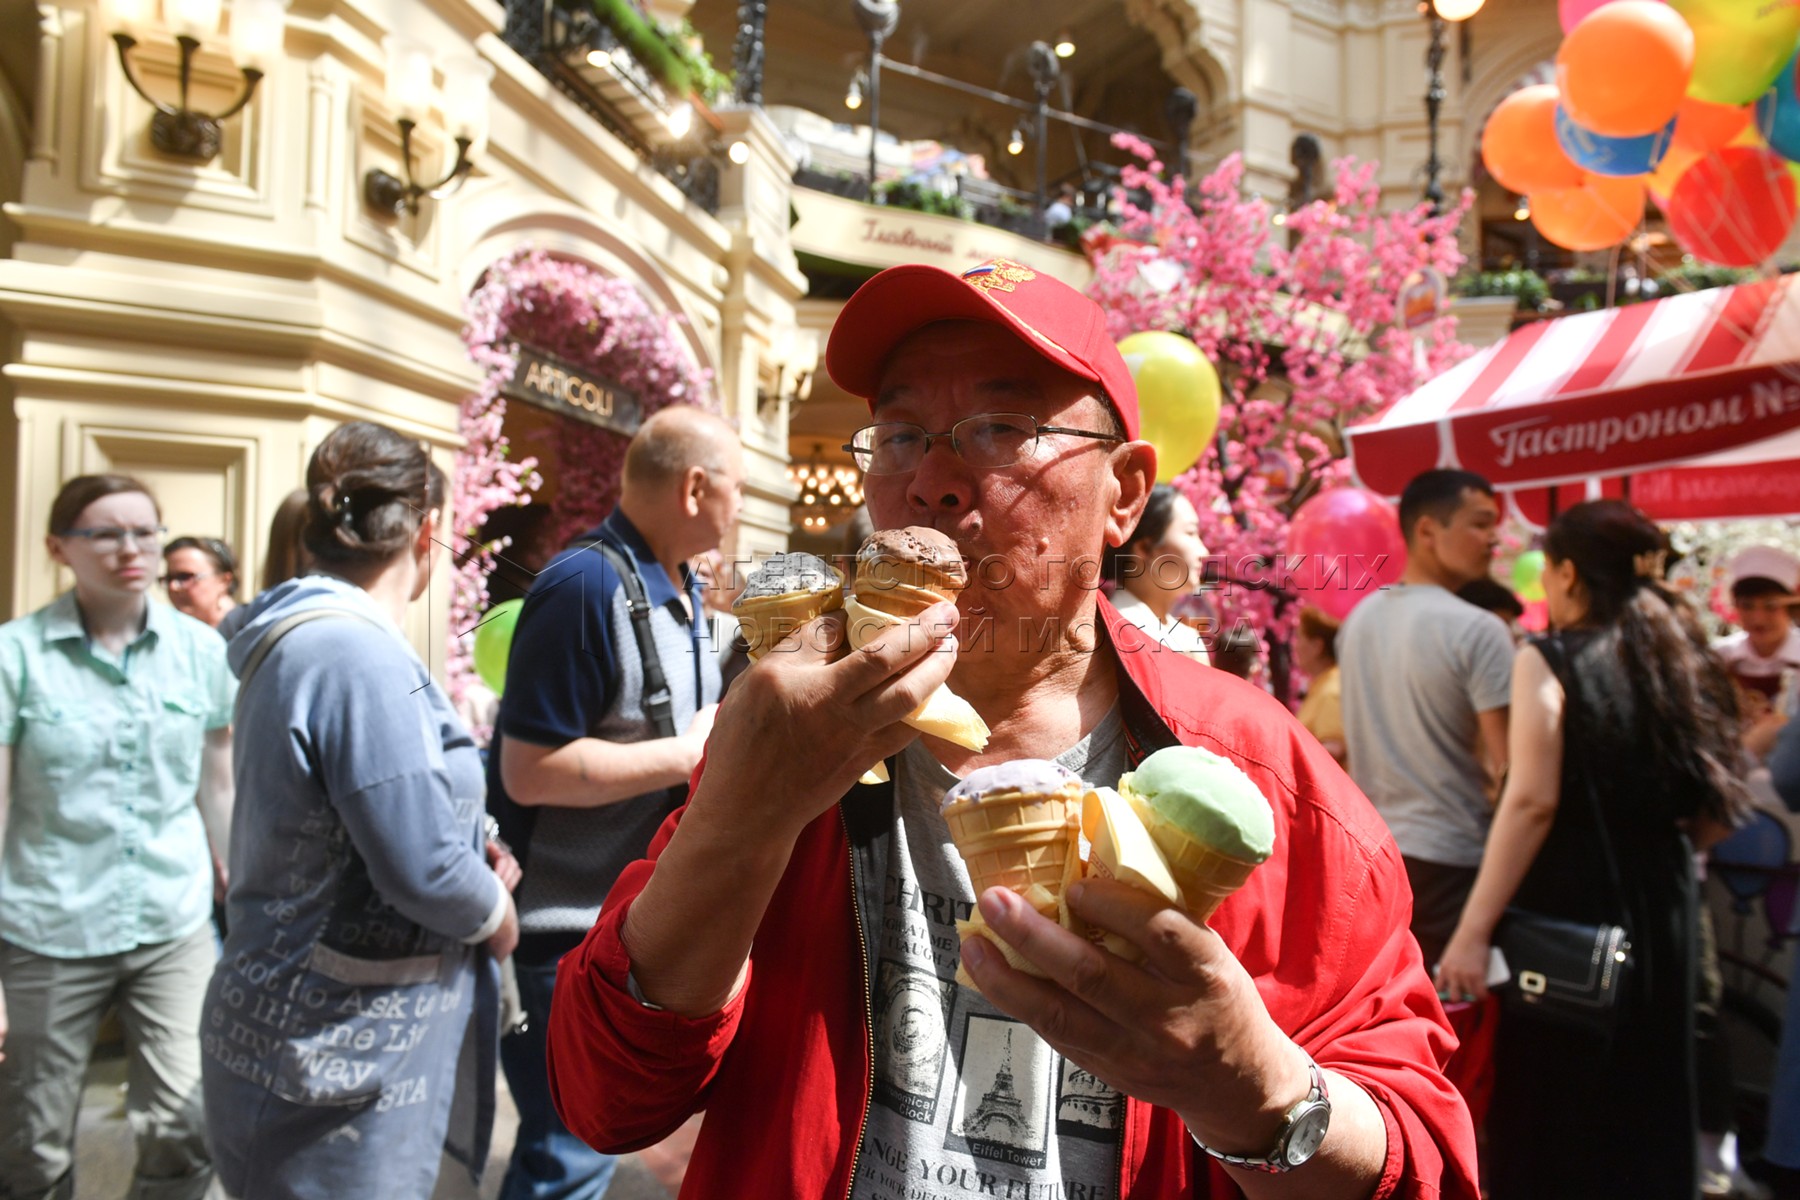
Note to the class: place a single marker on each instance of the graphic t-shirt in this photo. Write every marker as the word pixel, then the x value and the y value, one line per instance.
pixel 969 1102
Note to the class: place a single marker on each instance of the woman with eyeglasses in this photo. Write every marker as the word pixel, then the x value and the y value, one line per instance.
pixel 351 1029
pixel 201 577
pixel 115 770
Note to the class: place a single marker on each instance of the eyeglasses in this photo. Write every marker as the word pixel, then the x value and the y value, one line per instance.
pixel 987 441
pixel 184 578
pixel 108 539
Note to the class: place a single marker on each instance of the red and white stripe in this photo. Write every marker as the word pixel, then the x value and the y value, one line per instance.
pixel 1705 382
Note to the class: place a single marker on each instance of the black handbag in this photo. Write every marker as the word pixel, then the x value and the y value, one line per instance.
pixel 1569 973
pixel 1566 972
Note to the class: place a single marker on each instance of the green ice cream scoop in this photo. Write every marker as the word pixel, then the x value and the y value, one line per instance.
pixel 1206 797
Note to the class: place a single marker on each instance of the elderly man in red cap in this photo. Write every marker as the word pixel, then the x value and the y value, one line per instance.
pixel 786 958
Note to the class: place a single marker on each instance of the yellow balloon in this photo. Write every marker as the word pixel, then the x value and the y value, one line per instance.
pixel 1178 398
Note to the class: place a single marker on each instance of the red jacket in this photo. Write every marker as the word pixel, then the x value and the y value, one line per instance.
pixel 784 1070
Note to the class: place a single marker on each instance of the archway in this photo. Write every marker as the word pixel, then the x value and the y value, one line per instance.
pixel 560 310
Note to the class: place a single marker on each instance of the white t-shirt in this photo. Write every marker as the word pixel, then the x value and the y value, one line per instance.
pixel 1172 633
pixel 967 1101
pixel 1417 665
pixel 1759 671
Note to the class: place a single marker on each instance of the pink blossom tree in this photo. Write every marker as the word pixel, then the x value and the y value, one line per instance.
pixel 596 321
pixel 1304 331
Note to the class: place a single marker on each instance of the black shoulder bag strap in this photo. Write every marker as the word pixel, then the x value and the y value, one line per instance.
pixel 1563 667
pixel 659 700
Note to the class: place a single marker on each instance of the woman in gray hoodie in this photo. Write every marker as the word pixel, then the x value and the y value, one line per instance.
pixel 353 981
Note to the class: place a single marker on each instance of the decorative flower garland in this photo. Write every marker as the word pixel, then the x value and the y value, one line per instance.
pixel 597 321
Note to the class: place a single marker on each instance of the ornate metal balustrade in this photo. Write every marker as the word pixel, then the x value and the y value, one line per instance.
pixel 590 64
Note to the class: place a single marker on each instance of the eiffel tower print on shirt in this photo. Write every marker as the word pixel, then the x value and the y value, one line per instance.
pixel 1003 1097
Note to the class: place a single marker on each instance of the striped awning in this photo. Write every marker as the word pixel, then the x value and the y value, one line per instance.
pixel 1688 405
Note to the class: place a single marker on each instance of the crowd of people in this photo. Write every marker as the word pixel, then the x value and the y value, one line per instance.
pixel 256 827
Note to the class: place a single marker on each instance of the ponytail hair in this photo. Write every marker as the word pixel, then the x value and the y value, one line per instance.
pixel 368 490
pixel 1682 692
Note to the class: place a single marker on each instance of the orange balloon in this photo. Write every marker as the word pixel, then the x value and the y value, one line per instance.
pixel 1519 144
pixel 1669 171
pixel 1601 212
pixel 1624 70
pixel 1701 126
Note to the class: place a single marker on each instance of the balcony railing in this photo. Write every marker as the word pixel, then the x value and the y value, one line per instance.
pixel 601 66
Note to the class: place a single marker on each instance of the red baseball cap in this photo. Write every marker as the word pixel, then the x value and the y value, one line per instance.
pixel 1047 314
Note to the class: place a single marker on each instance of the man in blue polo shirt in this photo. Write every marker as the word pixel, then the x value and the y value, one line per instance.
pixel 580 774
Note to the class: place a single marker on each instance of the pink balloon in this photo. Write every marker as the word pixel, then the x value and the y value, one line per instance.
pixel 1348 544
pixel 1570 12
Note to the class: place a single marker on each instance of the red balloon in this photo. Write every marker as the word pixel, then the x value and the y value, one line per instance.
pixel 1733 207
pixel 1348 542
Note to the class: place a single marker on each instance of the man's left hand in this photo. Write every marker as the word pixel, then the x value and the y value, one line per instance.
pixel 1185 1029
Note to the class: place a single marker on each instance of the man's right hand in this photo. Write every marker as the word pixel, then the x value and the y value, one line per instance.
pixel 803 723
pixel 793 735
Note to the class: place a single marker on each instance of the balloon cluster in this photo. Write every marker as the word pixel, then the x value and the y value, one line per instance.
pixel 1690 102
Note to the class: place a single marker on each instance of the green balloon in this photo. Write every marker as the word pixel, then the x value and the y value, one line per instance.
pixel 1528 576
pixel 1740 46
pixel 493 643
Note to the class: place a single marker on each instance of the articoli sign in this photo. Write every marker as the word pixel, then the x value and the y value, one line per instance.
pixel 551 383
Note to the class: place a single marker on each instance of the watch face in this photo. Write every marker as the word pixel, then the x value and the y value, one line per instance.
pixel 1307 1133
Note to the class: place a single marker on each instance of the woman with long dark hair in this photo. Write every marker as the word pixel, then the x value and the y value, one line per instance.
pixel 1157 567
pixel 354 980
pixel 1624 745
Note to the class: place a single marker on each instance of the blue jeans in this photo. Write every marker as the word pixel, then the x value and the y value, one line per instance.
pixel 548 1162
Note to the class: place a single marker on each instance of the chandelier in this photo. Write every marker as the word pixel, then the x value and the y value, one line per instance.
pixel 828 494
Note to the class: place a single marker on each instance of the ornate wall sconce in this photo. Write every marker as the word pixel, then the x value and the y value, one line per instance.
pixel 464 102
pixel 257 27
pixel 795 355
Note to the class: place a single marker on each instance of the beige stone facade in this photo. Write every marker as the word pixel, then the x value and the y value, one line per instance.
pixel 203 324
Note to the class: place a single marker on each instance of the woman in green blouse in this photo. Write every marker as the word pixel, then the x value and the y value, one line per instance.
pixel 115 770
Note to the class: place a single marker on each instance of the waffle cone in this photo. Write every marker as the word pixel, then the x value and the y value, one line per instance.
pixel 899 600
pixel 768 619
pixel 883 574
pixel 1016 839
pixel 1205 876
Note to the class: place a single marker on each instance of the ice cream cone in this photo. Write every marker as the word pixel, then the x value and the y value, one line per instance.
pixel 1209 819
pixel 943 714
pixel 916 558
pixel 768 619
pixel 1121 848
pixel 782 595
pixel 1206 877
pixel 900 600
pixel 1015 839
pixel 1025 839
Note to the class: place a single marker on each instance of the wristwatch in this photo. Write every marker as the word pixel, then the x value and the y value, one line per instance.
pixel 1302 1132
